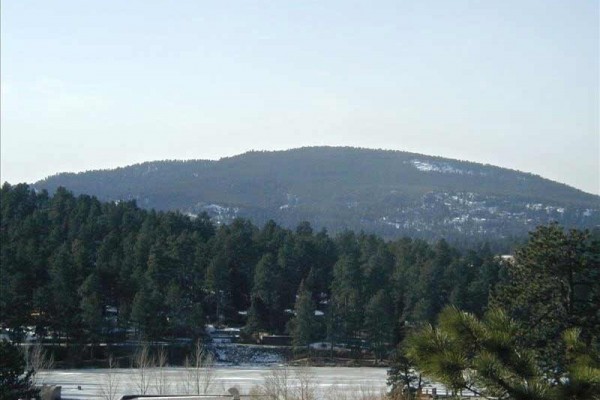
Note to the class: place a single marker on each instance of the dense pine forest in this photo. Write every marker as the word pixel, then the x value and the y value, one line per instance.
pixel 83 272
pixel 86 271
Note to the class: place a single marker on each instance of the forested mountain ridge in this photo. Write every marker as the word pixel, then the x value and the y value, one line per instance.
pixel 390 193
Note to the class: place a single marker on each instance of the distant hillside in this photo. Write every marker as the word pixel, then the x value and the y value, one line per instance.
pixel 390 193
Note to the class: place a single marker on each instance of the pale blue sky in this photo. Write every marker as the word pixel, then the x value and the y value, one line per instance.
pixel 100 84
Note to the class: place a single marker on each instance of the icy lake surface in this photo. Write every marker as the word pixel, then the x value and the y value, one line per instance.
pixel 93 381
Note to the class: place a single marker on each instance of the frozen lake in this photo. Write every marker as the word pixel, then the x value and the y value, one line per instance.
pixel 93 381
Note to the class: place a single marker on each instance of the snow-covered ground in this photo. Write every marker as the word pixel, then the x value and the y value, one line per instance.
pixel 443 167
pixel 93 381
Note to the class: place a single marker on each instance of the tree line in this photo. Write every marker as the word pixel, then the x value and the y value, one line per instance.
pixel 538 339
pixel 85 271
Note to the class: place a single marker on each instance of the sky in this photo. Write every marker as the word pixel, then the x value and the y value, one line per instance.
pixel 105 83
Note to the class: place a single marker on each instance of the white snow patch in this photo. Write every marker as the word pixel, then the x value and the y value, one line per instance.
pixel 442 167
pixel 216 208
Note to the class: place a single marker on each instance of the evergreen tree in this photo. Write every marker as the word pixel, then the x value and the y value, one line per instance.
pixel 485 357
pixel 377 265
pixel 379 324
pixel 218 286
pixel 554 284
pixel 304 324
pixel 65 316
pixel 242 257
pixel 175 309
pixel 403 379
pixel 346 298
pixel 147 313
pixel 271 237
pixel 258 316
pixel 92 308
pixel 15 381
pixel 266 287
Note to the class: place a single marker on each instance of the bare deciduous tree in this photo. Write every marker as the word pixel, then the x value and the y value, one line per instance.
pixel 285 383
pixel 200 371
pixel 337 392
pixel 161 383
pixel 369 393
pixel 143 362
pixel 278 384
pixel 305 386
pixel 38 360
pixel 109 388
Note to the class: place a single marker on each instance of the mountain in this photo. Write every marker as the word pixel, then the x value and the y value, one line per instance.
pixel 390 193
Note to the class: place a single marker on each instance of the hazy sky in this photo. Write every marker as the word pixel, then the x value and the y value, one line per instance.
pixel 100 84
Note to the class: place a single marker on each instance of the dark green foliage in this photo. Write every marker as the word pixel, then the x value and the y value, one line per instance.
pixel 303 327
pixel 486 356
pixel 91 308
pixel 379 323
pixel 147 312
pixel 347 298
pixel 403 380
pixel 552 285
pixel 265 291
pixel 543 347
pixel 86 272
pixel 378 191
pixel 258 317
pixel 15 381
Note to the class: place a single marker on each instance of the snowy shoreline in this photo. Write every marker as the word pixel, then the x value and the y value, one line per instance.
pixel 92 381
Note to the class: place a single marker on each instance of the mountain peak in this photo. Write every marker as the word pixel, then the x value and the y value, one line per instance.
pixel 387 192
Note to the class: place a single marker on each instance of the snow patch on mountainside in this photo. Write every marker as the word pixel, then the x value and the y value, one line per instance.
pixel 442 167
